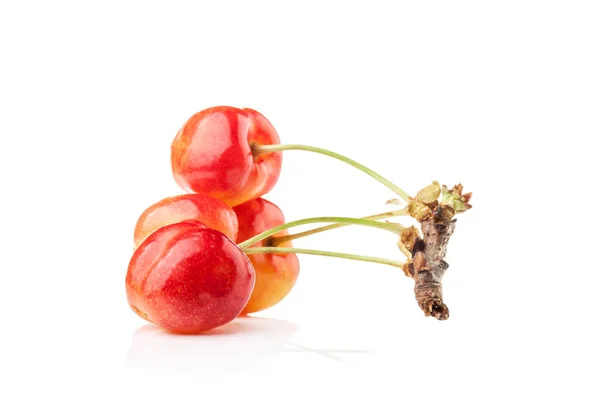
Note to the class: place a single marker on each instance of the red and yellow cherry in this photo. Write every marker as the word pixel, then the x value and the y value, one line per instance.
pixel 276 274
pixel 213 213
pixel 187 278
pixel 211 154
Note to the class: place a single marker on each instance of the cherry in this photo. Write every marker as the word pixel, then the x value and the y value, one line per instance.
pixel 213 213
pixel 187 278
pixel 212 154
pixel 276 273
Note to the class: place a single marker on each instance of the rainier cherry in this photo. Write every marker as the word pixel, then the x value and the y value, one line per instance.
pixel 212 212
pixel 212 154
pixel 187 278
pixel 276 273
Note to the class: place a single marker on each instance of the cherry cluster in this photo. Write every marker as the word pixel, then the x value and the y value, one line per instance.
pixel 219 251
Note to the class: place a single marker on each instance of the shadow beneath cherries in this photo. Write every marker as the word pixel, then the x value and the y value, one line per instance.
pixel 236 346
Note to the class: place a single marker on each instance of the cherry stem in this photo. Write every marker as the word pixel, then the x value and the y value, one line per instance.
pixel 276 241
pixel 378 260
pixel 262 149
pixel 389 226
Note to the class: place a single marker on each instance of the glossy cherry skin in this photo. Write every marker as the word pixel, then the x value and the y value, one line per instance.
pixel 187 278
pixel 276 274
pixel 213 213
pixel 211 154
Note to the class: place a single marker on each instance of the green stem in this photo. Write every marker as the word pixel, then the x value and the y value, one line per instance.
pixel 262 149
pixel 276 241
pixel 389 226
pixel 378 260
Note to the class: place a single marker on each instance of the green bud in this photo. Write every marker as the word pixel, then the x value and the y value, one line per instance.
pixel 455 199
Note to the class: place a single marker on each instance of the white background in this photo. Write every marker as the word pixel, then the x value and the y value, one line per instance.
pixel 501 96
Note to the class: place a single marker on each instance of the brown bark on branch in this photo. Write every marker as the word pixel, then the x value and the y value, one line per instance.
pixel 428 267
pixel 425 255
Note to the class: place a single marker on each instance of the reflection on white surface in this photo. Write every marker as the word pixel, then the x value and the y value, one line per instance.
pixel 235 346
pixel 331 354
